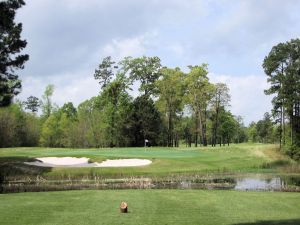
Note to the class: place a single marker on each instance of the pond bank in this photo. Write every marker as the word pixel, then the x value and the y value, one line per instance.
pixel 253 182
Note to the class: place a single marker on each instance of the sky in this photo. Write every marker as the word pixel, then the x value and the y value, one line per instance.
pixel 67 40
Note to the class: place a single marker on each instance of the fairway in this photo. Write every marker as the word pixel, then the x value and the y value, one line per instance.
pixel 150 207
pixel 242 158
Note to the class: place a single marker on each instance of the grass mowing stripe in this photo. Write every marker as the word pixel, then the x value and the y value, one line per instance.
pixel 149 207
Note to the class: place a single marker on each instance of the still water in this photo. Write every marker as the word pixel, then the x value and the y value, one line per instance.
pixel 253 182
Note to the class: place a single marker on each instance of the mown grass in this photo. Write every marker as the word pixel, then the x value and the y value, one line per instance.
pixel 240 158
pixel 150 207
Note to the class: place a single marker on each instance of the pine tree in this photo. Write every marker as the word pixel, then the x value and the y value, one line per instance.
pixel 10 46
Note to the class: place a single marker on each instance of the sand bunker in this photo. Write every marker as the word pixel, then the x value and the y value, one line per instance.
pixel 84 162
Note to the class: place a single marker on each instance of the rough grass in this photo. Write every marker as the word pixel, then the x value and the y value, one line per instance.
pixel 150 207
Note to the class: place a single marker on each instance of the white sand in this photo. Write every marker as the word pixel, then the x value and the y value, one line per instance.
pixel 84 162
pixel 124 162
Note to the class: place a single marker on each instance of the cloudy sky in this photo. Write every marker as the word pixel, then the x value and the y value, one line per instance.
pixel 68 38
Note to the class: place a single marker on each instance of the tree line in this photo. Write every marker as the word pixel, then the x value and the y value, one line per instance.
pixel 172 107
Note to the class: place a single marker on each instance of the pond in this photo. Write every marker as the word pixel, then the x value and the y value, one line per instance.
pixel 254 182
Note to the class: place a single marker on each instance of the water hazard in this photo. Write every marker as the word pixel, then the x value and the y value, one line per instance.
pixel 254 182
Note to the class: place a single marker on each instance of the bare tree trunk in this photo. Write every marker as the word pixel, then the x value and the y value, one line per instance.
pixel 203 127
pixel 215 127
pixel 292 126
pixel 283 126
pixel 170 130
pixel 228 140
pixel 196 130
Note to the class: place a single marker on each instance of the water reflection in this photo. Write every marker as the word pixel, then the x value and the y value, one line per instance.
pixel 256 182
pixel 275 183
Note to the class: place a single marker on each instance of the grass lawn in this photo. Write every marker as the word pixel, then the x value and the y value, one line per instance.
pixel 150 207
pixel 166 161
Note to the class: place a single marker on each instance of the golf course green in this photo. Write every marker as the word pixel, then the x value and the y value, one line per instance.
pixel 240 158
pixel 162 206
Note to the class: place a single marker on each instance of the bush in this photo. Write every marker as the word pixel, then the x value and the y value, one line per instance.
pixel 293 151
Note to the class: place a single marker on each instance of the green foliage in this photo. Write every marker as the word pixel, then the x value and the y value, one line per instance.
pixel 10 45
pixel 146 70
pixel 145 122
pixel 227 128
pixel 220 100
pixel 174 106
pixel 90 129
pixel 69 110
pixel 18 128
pixel 264 129
pixel 52 131
pixel 170 92
pixel 106 70
pixel 282 66
pixel 199 93
pixel 47 104
pixel 115 105
pixel 32 104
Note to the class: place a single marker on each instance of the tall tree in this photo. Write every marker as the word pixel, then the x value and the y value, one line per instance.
pixel 91 131
pixel 114 99
pixel 145 70
pixel 264 129
pixel 241 133
pixel 52 132
pixel 69 110
pixel 105 72
pixel 145 122
pixel 220 99
pixel 228 127
pixel 198 95
pixel 170 99
pixel 47 104
pixel 282 66
pixel 32 103
pixel 11 45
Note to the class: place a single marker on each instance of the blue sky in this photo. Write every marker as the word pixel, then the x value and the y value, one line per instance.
pixel 68 38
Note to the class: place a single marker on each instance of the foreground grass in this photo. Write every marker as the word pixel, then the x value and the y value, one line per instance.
pixel 166 161
pixel 150 207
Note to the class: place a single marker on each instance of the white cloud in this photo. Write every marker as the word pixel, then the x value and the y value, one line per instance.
pixel 247 95
pixel 74 88
pixel 120 48
pixel 68 38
